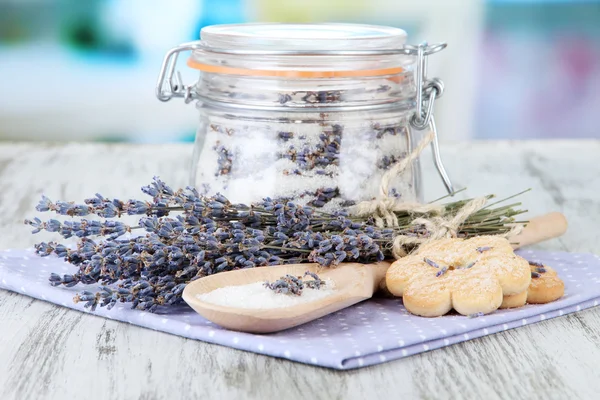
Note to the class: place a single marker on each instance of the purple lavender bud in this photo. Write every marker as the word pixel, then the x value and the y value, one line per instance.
pixel 478 314
pixel 44 205
pixel 135 207
pixel 108 211
pixel 36 223
pixel 321 260
pixel 52 225
pixel 325 243
pixel 86 297
pixel 312 274
pixel 95 201
pixel 63 207
pixel 221 199
pixel 431 262
pixel 150 190
pixel 284 98
pixel 61 250
pixel 441 271
pixel 335 223
pixel 215 205
pixel 536 264
pixel 91 304
pixel 470 265
pixel 336 239
pixel 236 225
pixel 317 203
pixel 340 256
pixel 44 249
pixel 220 260
pixel 285 136
pixel 482 249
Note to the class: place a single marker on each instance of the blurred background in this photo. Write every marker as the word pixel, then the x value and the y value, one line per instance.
pixel 86 70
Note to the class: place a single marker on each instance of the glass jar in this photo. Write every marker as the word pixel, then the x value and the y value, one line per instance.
pixel 313 113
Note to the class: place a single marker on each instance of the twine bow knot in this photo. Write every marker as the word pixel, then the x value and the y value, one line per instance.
pixel 383 209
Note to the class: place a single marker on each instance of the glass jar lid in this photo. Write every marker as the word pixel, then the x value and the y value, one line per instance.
pixel 303 37
pixel 324 50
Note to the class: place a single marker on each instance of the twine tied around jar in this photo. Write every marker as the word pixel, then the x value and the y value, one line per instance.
pixel 384 208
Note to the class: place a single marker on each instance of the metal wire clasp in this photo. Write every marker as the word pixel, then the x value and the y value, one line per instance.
pixel 428 90
pixel 169 84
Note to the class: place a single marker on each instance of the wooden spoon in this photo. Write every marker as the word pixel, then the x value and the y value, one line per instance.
pixel 353 283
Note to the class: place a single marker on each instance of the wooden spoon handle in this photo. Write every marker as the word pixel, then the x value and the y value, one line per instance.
pixel 539 229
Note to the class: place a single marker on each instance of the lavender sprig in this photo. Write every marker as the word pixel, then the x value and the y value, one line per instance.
pixel 83 228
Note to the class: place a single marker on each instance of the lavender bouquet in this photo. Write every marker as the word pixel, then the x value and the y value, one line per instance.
pixel 185 236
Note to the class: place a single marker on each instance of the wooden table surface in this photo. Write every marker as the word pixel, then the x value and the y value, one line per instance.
pixel 49 352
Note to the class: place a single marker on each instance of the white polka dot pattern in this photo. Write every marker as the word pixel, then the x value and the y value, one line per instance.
pixel 372 332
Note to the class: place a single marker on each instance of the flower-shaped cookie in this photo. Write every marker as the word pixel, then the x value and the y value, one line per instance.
pixel 545 287
pixel 470 276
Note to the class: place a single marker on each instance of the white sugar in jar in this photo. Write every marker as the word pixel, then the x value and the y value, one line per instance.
pixel 313 113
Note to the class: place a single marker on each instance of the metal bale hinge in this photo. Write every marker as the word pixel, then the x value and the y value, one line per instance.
pixel 166 87
pixel 428 90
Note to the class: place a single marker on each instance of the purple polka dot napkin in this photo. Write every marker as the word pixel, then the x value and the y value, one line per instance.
pixel 371 332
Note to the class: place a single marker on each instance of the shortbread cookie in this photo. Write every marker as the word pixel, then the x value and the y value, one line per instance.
pixel 515 300
pixel 470 276
pixel 545 285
